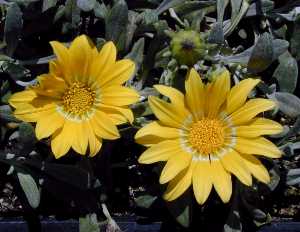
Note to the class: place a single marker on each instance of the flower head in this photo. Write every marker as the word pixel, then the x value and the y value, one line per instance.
pixel 187 47
pixel 208 134
pixel 81 100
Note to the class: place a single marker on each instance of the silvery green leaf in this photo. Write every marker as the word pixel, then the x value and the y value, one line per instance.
pixel 235 21
pixel 59 13
pixel 100 10
pixel 86 5
pixel 145 201
pixel 72 12
pixel 293 177
pixel 233 223
pixel 89 223
pixel 279 47
pixel 216 34
pixel 221 6
pixel 26 134
pixel 262 54
pixel 295 40
pixel 13 27
pixel 6 114
pixel 166 4
pixel 288 103
pixel 189 7
pixel 137 53
pixel 180 209
pixel 47 4
pixel 256 8
pixel 235 7
pixel 116 24
pixel 287 73
pixel 275 178
pixel 30 189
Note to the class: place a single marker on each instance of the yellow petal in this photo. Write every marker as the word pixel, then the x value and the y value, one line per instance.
pixel 104 61
pixel 80 140
pixel 118 114
pixel 103 126
pixel 221 180
pixel 176 97
pixel 62 140
pixel 256 168
pixel 120 72
pixel 218 93
pixel 63 58
pixel 80 54
pixel 195 94
pixel 175 164
pixel 167 113
pixel 118 96
pixel 29 113
pixel 233 163
pixel 154 133
pixel 160 152
pixel 94 142
pixel 239 93
pixel 22 97
pixel 179 184
pixel 48 124
pixel 259 126
pixel 252 108
pixel 202 180
pixel 257 146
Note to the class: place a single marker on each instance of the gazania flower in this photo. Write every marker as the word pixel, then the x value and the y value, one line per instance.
pixel 81 100
pixel 208 134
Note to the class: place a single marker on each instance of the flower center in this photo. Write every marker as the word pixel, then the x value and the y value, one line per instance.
pixel 206 135
pixel 78 99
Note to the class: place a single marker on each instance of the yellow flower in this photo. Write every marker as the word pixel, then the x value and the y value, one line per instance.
pixel 81 100
pixel 208 134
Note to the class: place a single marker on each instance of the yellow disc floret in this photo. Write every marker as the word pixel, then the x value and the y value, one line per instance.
pixel 78 99
pixel 206 135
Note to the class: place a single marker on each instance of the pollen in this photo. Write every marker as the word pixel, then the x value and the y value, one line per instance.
pixel 78 99
pixel 206 135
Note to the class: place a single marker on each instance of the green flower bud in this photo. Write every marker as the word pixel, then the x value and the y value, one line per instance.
pixel 187 47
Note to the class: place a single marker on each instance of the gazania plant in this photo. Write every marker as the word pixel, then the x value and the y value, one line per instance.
pixel 183 115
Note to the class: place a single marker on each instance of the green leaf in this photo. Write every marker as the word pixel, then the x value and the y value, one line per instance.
pixel 221 6
pixel 145 201
pixel 189 7
pixel 89 223
pixel 30 189
pixel 47 4
pixel 27 135
pixel 180 208
pixel 293 176
pixel 86 5
pixel 275 178
pixel 288 103
pixel 216 34
pixel 295 40
pixel 13 27
pixel 137 53
pixel 287 73
pixel 116 24
pixel 6 114
pixel 233 223
pixel 72 12
pixel 100 10
pixel 166 4
pixel 235 7
pixel 262 54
